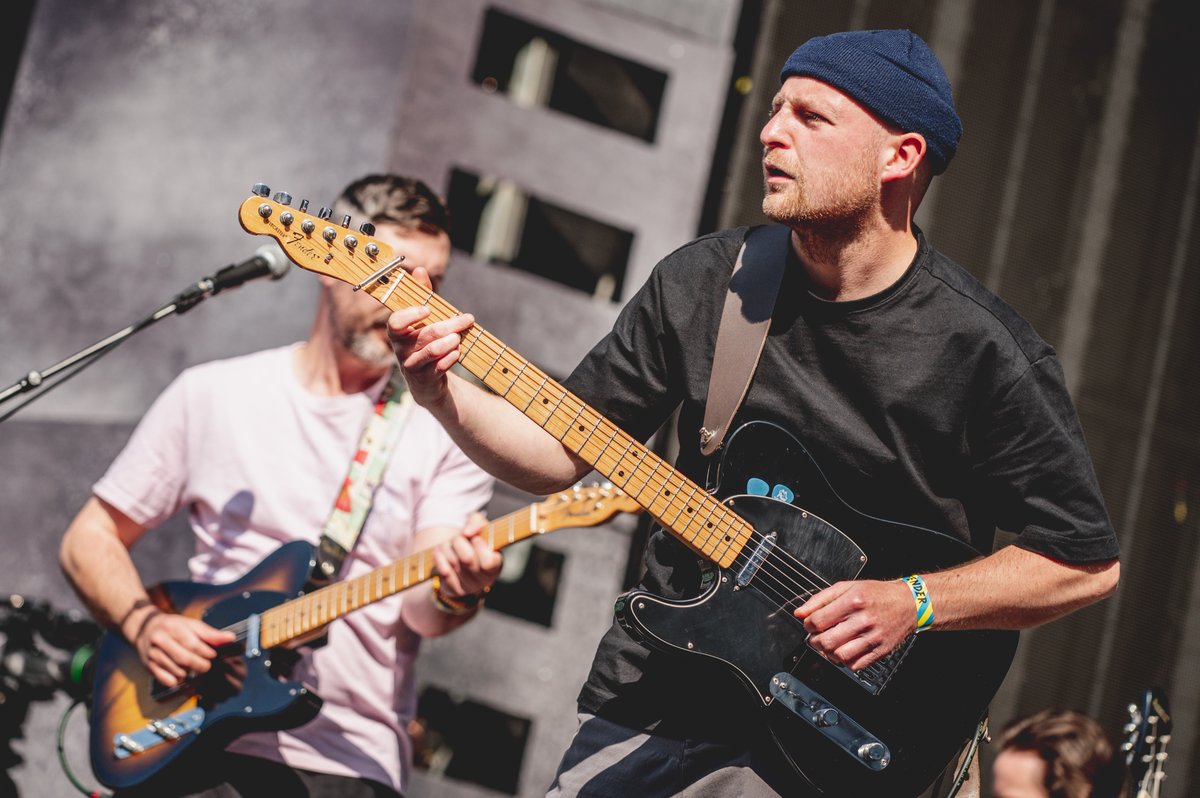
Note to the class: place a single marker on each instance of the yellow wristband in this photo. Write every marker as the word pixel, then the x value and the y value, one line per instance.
pixel 921 596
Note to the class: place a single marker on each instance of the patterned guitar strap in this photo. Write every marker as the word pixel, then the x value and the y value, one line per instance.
pixel 366 469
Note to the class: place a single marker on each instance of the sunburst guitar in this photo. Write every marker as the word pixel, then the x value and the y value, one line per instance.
pixel 143 735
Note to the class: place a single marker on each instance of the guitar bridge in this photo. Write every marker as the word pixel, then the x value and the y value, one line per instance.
pixel 876 676
pixel 157 732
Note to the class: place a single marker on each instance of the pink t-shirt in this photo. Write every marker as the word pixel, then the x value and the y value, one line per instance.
pixel 258 461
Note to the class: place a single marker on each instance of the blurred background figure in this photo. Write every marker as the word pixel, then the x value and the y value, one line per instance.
pixel 1057 754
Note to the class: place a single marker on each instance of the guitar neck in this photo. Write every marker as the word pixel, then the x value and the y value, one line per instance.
pixel 299 617
pixel 681 506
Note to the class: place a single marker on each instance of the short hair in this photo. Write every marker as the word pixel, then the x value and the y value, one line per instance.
pixel 395 199
pixel 1080 759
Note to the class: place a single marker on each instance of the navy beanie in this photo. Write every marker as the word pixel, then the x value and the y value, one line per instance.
pixel 895 75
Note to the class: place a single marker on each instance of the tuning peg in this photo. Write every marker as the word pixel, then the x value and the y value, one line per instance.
pixel 324 213
pixel 346 220
pixel 304 206
pixel 283 198
pixel 367 229
pixel 261 189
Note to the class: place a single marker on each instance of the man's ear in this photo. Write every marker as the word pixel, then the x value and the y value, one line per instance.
pixel 903 154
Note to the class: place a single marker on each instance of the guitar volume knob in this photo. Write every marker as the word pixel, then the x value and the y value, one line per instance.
pixel 826 717
pixel 873 752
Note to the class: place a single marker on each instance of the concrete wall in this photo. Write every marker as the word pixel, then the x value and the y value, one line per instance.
pixel 134 132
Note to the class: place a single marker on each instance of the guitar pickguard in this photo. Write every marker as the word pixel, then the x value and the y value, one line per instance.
pixel 937 684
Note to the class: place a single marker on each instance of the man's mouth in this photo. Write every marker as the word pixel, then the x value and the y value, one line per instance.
pixel 771 172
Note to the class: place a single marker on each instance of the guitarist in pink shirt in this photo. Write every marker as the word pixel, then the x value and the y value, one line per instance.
pixel 257 449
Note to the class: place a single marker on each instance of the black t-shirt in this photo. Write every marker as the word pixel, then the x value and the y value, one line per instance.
pixel 932 403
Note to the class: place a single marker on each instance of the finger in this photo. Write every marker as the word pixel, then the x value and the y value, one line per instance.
pixel 488 558
pixel 194 655
pixel 464 551
pixel 822 599
pixel 400 322
pixel 421 275
pixel 163 676
pixel 447 571
pixel 213 636
pixel 476 522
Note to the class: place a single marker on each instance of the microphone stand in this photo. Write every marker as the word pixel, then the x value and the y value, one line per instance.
pixel 37 380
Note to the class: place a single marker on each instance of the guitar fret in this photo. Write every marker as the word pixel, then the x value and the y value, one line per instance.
pixel 570 426
pixel 615 474
pixel 499 355
pixel 599 457
pixel 545 380
pixel 524 365
pixel 713 506
pixel 478 335
pixel 691 517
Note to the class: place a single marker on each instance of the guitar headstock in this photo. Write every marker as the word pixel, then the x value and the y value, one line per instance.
pixel 318 242
pixel 583 506
pixel 1149 731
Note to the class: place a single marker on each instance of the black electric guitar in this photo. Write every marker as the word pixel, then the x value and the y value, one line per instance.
pixel 144 735
pixel 886 731
pixel 1149 730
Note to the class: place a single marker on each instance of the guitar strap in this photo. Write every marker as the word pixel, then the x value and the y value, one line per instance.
pixel 745 320
pixel 354 499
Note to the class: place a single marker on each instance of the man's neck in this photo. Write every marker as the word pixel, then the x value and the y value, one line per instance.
pixel 845 265
pixel 327 369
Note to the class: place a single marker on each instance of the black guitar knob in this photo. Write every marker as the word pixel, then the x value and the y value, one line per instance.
pixel 261 190
pixel 283 198
pixel 324 213
pixel 367 229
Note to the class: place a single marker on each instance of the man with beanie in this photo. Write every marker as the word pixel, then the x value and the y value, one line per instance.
pixel 922 397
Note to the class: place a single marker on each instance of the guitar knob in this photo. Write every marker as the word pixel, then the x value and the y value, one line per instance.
pixel 372 249
pixel 346 220
pixel 261 190
pixel 827 717
pixel 873 752
pixel 304 206
pixel 283 198
pixel 366 228
pixel 324 213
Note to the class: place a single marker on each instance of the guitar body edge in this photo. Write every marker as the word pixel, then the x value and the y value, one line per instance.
pixel 742 623
pixel 124 702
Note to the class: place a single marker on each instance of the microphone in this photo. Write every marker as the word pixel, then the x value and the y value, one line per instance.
pixel 267 261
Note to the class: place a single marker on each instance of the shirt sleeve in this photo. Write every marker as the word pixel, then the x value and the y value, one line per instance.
pixel 147 479
pixel 627 376
pixel 457 488
pixel 1036 466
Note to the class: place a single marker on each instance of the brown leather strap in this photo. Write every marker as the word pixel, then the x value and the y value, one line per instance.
pixel 745 319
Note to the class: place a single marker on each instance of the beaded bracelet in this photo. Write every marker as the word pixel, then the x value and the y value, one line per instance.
pixel 921 596
pixel 452 605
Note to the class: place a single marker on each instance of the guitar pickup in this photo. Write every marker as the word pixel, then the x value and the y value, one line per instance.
pixel 838 727
pixel 757 558
pixel 157 732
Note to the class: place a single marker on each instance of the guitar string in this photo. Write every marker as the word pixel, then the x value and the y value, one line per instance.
pixel 421 296
pixel 440 310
